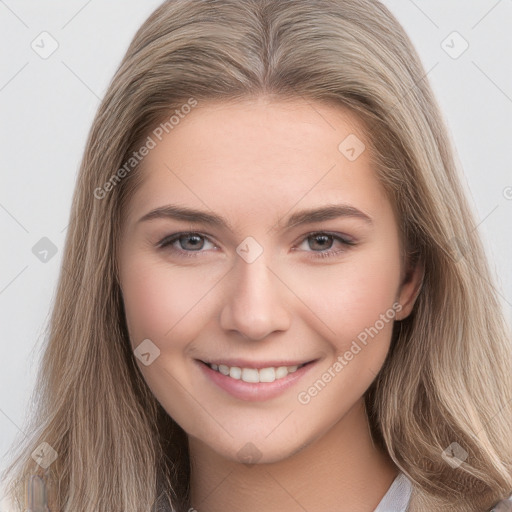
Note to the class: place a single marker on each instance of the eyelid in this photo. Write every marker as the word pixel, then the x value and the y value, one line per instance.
pixel 339 236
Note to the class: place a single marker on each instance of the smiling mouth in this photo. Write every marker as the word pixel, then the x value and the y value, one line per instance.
pixel 255 375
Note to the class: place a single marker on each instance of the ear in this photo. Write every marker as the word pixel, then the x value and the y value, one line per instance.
pixel 410 288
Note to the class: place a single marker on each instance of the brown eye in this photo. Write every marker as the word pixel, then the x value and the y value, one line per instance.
pixel 321 241
pixel 320 244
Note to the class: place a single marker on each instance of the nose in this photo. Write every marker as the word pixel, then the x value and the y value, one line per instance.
pixel 255 304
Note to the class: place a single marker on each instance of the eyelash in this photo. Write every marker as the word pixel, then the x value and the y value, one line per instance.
pixel 167 242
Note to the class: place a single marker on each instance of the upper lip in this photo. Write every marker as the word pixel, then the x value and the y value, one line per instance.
pixel 244 363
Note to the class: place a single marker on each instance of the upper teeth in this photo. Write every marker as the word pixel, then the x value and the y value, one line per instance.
pixel 254 375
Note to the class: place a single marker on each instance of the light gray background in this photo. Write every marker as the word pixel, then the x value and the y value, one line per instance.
pixel 47 107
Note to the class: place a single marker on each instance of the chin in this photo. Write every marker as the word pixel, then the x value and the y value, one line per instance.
pixel 253 452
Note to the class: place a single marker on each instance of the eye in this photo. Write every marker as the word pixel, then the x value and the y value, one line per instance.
pixel 191 243
pixel 322 241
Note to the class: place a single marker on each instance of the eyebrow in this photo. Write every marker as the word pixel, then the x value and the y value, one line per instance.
pixel 308 216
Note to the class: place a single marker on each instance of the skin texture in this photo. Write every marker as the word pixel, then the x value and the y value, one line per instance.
pixel 254 163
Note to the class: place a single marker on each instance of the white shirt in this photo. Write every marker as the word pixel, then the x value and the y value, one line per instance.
pixel 399 494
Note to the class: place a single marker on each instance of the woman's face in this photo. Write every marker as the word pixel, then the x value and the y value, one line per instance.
pixel 260 284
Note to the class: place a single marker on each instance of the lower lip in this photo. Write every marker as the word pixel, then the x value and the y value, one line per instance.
pixel 254 392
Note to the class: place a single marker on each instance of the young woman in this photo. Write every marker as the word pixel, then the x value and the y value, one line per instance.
pixel 273 295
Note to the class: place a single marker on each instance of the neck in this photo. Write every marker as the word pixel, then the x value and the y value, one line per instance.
pixel 341 470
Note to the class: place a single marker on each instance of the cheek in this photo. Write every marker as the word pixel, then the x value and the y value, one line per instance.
pixel 349 298
pixel 158 301
pixel 359 309
pixel 160 304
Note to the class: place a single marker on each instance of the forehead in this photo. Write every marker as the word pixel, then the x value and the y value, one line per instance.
pixel 259 156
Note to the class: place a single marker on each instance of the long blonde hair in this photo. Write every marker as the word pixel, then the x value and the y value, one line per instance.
pixel 446 385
